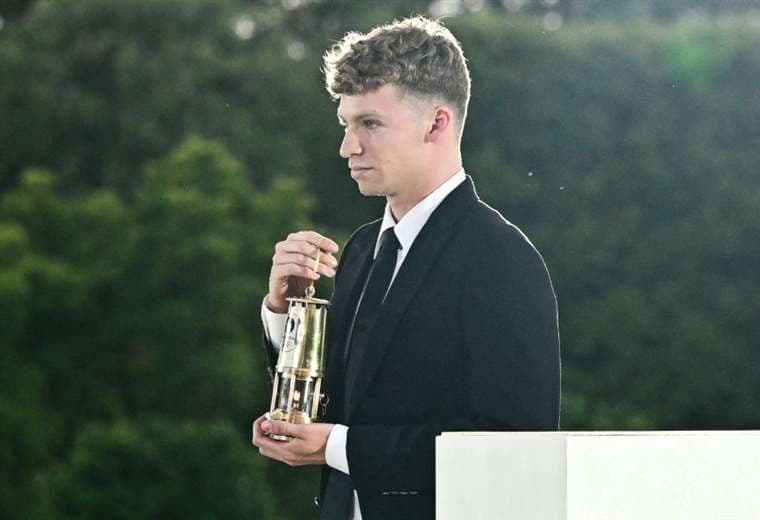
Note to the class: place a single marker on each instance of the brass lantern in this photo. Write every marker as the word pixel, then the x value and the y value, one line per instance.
pixel 297 390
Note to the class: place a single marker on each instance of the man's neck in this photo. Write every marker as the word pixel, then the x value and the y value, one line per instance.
pixel 402 204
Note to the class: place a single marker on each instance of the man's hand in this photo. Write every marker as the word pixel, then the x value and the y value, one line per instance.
pixel 306 447
pixel 293 266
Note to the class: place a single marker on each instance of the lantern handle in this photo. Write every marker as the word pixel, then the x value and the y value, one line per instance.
pixel 310 289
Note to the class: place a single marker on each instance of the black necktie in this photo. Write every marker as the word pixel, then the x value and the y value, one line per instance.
pixel 339 492
pixel 378 280
pixel 380 277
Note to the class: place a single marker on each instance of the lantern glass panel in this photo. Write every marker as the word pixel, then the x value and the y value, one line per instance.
pixel 303 397
pixel 284 393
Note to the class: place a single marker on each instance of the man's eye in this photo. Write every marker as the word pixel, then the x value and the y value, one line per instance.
pixel 371 123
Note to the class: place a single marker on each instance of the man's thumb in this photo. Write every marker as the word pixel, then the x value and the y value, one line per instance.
pixel 282 428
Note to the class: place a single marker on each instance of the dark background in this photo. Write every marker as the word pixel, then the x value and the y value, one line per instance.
pixel 153 151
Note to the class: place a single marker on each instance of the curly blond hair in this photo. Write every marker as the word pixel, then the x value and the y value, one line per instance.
pixel 418 55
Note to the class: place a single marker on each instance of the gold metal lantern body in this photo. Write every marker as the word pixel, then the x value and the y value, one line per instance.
pixel 297 390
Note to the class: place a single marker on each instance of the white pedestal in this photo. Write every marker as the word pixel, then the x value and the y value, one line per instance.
pixel 598 476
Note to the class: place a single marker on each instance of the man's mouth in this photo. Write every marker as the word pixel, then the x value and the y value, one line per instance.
pixel 358 171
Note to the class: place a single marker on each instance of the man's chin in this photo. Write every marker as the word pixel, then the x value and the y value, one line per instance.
pixel 369 191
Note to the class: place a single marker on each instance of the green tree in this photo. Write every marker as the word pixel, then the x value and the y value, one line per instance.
pixel 123 310
pixel 620 153
pixel 159 469
pixel 99 88
pixel 195 284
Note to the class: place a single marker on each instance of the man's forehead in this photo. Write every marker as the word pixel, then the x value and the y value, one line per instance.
pixel 351 107
pixel 377 102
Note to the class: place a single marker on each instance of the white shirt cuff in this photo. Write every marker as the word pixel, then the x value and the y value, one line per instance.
pixel 274 324
pixel 335 451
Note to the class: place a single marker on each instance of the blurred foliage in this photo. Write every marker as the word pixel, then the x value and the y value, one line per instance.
pixel 157 469
pixel 152 153
pixel 125 310
pixel 630 164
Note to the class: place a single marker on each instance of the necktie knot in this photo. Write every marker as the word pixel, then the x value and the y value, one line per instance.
pixel 388 242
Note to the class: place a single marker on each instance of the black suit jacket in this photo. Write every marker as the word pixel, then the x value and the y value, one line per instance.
pixel 467 339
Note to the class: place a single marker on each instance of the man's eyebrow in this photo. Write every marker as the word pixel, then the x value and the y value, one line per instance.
pixel 360 116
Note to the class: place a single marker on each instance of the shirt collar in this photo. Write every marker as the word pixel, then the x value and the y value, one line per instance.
pixel 411 224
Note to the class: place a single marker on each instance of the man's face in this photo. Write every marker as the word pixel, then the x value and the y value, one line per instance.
pixel 383 142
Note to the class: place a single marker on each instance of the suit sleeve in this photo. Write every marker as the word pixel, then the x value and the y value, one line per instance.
pixel 510 331
pixel 512 337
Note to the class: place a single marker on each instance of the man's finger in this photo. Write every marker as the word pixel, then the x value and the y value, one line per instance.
pixel 304 253
pixel 256 431
pixel 283 428
pixel 284 271
pixel 315 238
pixel 304 247
pixel 326 264
pixel 272 448
pixel 287 269
pixel 275 450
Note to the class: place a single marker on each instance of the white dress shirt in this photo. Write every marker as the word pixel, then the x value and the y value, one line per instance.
pixel 406 231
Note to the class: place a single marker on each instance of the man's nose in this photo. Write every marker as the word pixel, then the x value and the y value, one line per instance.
pixel 350 145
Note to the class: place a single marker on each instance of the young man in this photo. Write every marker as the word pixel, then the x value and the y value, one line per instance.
pixel 443 317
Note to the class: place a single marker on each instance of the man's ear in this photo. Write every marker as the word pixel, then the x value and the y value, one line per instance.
pixel 443 118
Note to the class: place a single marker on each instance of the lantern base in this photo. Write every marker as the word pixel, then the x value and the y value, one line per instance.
pixel 293 417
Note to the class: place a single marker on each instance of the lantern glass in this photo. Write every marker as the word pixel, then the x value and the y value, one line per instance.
pixel 303 396
pixel 283 398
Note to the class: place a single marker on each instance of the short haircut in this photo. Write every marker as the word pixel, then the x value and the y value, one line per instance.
pixel 418 55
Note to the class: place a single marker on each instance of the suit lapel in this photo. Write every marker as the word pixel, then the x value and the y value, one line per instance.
pixel 433 237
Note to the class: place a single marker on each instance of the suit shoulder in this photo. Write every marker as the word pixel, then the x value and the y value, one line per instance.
pixel 490 228
pixel 363 232
pixel 360 239
pixel 500 253
pixel 362 236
